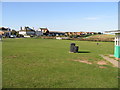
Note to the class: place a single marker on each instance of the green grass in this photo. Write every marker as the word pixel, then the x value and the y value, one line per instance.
pixel 107 36
pixel 47 63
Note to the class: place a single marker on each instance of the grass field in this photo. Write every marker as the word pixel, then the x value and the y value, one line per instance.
pixel 107 36
pixel 47 63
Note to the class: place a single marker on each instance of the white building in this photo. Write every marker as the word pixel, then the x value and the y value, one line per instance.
pixel 39 32
pixel 27 32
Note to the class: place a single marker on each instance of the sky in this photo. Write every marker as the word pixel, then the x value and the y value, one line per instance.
pixel 61 16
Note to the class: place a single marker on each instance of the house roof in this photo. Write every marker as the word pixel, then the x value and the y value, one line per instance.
pixel 113 31
pixel 4 29
pixel 44 28
pixel 27 30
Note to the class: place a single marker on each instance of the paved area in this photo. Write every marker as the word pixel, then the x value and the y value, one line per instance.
pixel 114 62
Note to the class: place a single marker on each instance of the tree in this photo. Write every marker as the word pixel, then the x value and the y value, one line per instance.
pixel 100 33
pixel 13 32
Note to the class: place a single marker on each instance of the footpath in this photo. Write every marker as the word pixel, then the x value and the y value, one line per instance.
pixel 111 60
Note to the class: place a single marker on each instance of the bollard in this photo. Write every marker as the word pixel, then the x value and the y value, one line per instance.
pixel 72 45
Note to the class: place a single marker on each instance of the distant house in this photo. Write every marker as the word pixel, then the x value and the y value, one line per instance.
pixel 44 31
pixel 7 31
pixel 72 33
pixel 39 32
pixel 79 33
pixel 56 33
pixel 27 32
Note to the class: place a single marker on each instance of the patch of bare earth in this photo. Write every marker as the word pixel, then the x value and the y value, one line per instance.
pixel 12 56
pixel 118 76
pixel 102 67
pixel 101 63
pixel 83 61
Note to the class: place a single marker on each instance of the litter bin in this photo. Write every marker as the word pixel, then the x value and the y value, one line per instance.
pixel 72 45
pixel 76 49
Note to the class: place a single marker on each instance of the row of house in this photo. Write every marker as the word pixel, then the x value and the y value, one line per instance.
pixel 45 31
pixel 28 32
pixel 25 31
pixel 80 33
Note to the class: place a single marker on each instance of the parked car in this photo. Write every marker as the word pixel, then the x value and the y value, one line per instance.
pixel 12 36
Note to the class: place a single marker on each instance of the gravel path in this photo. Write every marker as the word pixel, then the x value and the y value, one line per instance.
pixel 114 62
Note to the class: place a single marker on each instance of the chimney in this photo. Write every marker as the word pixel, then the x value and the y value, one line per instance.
pixel 25 28
pixel 20 28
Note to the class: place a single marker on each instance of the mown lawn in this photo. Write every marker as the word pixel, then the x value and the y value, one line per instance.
pixel 47 63
pixel 106 36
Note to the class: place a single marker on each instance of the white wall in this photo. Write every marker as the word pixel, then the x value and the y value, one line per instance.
pixel 30 32
pixel 22 32
pixel 39 33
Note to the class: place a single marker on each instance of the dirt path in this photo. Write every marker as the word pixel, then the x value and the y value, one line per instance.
pixel 114 62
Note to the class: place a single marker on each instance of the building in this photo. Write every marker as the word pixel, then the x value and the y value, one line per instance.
pixel 117 43
pixel 44 31
pixel 39 32
pixel 56 33
pixel 27 32
pixel 6 30
pixel 79 33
